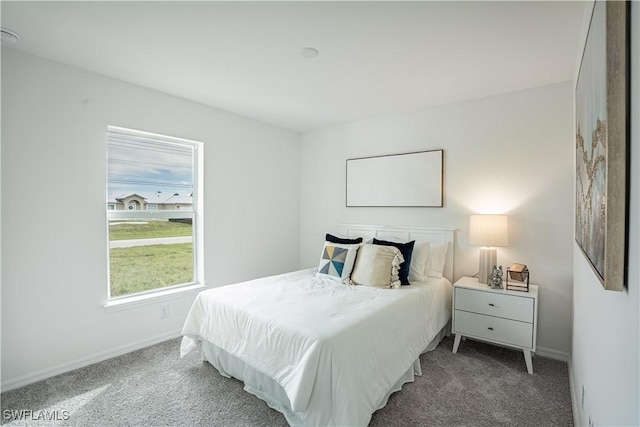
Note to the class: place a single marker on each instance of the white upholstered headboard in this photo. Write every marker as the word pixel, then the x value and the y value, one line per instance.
pixel 406 234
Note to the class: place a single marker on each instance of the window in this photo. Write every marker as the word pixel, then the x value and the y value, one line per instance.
pixel 153 244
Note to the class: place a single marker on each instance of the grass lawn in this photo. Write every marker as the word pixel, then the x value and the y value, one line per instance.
pixel 126 230
pixel 142 268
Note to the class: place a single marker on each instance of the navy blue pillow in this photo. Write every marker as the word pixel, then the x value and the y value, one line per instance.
pixel 333 239
pixel 406 249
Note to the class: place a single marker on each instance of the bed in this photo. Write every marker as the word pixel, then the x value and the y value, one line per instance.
pixel 320 351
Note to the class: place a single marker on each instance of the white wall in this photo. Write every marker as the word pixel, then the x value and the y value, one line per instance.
pixel 606 324
pixel 504 154
pixel 54 248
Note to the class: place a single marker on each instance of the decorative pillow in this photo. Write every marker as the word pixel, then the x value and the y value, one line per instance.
pixel 420 261
pixel 437 259
pixel 336 261
pixel 377 266
pixel 407 250
pixel 345 241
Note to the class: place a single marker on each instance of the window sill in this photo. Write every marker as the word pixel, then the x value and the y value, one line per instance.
pixel 127 303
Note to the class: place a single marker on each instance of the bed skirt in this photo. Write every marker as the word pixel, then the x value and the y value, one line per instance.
pixel 263 387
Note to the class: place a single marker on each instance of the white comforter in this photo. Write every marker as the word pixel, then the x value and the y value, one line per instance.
pixel 344 346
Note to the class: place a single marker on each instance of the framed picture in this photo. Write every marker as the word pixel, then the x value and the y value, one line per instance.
pixel 398 180
pixel 602 146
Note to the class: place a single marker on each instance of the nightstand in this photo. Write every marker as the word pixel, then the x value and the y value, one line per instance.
pixel 498 316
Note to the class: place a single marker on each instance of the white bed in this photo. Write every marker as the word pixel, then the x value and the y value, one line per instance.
pixel 319 351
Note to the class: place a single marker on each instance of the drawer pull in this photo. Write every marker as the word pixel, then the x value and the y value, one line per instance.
pixel 491 304
pixel 490 328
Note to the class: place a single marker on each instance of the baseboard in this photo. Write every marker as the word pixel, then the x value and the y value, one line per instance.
pixel 85 361
pixel 553 354
pixel 577 421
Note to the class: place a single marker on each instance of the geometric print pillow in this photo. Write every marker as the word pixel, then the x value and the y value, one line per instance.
pixel 337 260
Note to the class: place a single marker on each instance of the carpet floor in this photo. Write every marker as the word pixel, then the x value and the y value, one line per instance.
pixel 482 385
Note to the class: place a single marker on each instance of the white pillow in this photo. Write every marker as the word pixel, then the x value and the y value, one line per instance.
pixel 437 259
pixel 377 266
pixel 419 261
pixel 336 261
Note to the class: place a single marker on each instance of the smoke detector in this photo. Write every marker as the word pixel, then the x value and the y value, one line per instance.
pixel 8 36
pixel 309 52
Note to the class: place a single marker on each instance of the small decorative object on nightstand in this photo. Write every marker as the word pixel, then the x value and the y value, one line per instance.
pixel 498 316
pixel 520 274
pixel 496 278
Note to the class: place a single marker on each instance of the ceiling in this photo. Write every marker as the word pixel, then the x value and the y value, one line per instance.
pixel 376 58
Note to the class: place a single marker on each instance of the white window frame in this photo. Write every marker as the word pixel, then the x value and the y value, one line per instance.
pixel 196 214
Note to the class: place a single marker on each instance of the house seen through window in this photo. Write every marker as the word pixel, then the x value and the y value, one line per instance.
pixel 153 211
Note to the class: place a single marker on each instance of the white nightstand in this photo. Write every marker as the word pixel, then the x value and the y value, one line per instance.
pixel 497 316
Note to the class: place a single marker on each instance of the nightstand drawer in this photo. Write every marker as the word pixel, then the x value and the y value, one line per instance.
pixel 494 304
pixel 505 331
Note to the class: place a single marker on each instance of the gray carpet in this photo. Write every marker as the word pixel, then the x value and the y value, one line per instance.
pixel 482 385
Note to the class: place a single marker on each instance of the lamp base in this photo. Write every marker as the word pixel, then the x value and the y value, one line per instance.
pixel 488 258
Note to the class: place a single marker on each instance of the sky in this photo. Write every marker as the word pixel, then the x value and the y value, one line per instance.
pixel 145 167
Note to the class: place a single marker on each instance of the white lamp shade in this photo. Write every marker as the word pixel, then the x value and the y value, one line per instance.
pixel 488 230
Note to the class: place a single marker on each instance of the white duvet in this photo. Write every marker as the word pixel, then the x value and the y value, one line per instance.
pixel 322 341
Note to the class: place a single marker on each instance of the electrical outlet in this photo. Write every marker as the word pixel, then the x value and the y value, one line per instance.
pixel 164 311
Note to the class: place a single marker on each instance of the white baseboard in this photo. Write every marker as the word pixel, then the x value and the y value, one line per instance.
pixel 553 354
pixel 85 361
pixel 577 421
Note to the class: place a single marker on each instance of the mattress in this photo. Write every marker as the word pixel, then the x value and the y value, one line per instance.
pixel 335 351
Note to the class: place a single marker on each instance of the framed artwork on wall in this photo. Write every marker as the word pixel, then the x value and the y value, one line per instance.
pixel 602 144
pixel 395 180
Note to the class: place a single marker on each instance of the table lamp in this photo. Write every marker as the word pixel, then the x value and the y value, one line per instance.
pixel 488 231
